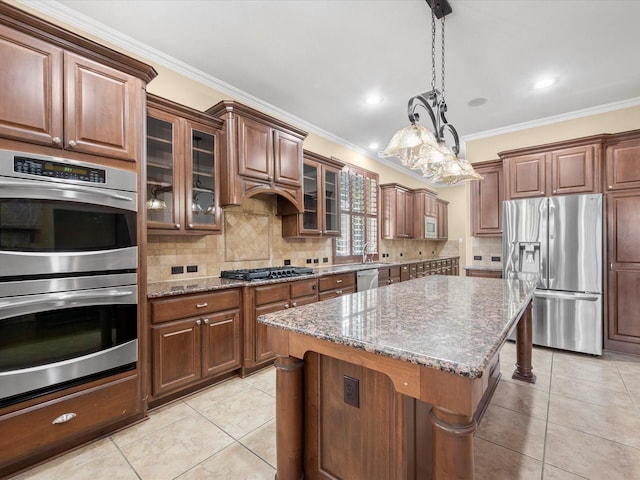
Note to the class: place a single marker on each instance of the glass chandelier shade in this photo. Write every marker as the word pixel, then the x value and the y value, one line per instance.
pixel 420 148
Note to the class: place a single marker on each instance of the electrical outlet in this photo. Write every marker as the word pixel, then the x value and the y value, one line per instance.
pixel 315 260
pixel 192 268
pixel 419 253
pixel 325 259
pixel 287 262
pixel 176 270
pixel 401 254
pixel 477 257
pixel 495 259
pixel 308 260
pixel 352 391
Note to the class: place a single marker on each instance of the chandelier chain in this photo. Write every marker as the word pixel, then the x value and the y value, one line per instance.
pixel 442 20
pixel 433 51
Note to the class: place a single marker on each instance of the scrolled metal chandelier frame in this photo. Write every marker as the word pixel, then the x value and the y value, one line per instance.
pixel 416 146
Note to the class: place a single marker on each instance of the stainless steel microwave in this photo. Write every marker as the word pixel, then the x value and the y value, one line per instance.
pixel 430 227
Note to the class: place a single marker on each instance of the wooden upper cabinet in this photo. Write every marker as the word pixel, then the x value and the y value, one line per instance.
pixel 623 161
pixel 424 203
pixel 486 199
pixel 261 154
pixel 397 211
pixel 562 168
pixel 526 175
pixel 31 86
pixel 102 109
pixel 443 219
pixel 53 96
pixel 255 152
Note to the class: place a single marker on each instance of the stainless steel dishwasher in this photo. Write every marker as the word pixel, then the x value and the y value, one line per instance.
pixel 366 279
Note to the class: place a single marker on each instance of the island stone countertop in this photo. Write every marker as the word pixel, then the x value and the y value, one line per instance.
pixel 453 324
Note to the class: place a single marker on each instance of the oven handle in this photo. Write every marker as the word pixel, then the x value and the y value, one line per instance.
pixel 11 307
pixel 62 191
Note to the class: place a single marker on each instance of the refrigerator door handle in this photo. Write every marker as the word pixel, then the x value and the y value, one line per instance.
pixel 568 296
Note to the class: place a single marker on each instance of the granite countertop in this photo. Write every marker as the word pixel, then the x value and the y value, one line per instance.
pixel 206 284
pixel 454 324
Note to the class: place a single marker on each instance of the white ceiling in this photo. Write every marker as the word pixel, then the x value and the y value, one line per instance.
pixel 315 61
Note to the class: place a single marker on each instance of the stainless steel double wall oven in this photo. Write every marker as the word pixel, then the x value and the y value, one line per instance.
pixel 68 283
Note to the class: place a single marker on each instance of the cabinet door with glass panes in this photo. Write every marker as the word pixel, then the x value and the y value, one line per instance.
pixel 182 179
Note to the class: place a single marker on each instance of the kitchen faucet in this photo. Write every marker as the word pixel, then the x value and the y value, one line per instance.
pixel 364 251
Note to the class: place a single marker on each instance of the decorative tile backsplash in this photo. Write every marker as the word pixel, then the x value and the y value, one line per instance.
pixel 487 248
pixel 252 238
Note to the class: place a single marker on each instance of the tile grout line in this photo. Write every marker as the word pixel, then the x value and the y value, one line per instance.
pixel 546 420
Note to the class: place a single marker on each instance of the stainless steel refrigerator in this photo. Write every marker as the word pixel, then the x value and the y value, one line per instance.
pixel 561 238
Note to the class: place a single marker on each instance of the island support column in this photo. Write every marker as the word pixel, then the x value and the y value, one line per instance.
pixel 524 342
pixel 452 445
pixel 289 407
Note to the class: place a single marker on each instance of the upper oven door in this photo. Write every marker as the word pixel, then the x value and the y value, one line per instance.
pixel 58 228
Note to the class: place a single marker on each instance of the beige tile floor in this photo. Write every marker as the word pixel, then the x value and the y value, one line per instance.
pixel 580 420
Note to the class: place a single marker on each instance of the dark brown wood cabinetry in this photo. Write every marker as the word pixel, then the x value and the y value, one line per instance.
pixel 424 203
pixel 470 272
pixel 57 98
pixel 182 169
pixel 264 299
pixel 397 211
pixel 261 154
pixel 321 199
pixel 332 286
pixel 194 338
pixel 556 169
pixel 487 196
pixel 388 275
pixel 442 217
pixel 622 331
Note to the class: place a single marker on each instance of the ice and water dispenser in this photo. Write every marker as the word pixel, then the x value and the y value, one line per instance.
pixel 528 257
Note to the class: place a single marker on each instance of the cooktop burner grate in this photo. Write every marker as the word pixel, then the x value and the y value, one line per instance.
pixel 265 273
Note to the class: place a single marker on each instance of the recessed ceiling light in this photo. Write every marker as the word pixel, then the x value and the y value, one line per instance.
pixel 544 82
pixel 374 146
pixel 373 99
pixel 476 102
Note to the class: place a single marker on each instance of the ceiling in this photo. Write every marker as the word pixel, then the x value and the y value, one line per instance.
pixel 314 62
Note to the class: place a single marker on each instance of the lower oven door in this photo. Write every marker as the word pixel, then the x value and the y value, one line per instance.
pixel 51 340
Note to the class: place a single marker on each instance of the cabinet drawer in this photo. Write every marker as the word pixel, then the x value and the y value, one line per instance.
pixel 278 292
pixel 342 280
pixel 25 432
pixel 304 288
pixel 194 305
pixel 338 292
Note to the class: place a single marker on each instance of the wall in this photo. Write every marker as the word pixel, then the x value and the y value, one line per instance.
pixel 483 149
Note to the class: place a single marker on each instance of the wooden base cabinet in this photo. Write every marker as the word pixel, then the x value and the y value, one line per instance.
pixel 194 339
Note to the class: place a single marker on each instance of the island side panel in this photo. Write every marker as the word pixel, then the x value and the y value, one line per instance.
pixel 524 346
pixel 289 417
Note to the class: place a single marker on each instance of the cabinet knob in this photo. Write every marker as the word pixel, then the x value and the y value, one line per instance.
pixel 314 287
pixel 206 321
pixel 286 305
pixel 295 304
pixel 177 225
pixel 202 305
pixel 190 225
pixel 339 292
pixel 64 418
pixel 198 322
pixel 610 186
pixel 56 140
pixel 73 143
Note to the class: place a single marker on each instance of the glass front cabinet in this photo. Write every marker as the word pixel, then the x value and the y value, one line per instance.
pixel 321 196
pixel 182 172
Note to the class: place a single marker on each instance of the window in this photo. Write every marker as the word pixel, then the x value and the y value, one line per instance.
pixel 359 215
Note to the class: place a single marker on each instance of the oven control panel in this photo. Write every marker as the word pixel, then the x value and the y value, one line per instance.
pixel 48 168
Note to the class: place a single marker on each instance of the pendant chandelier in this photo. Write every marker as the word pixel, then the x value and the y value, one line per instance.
pixel 416 146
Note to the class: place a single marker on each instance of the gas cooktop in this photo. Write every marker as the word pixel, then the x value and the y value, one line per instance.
pixel 265 273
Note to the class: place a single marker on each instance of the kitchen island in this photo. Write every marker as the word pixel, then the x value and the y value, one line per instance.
pixel 389 383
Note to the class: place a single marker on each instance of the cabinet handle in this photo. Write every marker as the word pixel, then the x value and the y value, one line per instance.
pixel 611 266
pixel 72 143
pixel 198 322
pixel 202 305
pixel 177 225
pixel 295 304
pixel 338 281
pixel 64 418
pixel 610 186
pixel 206 321
pixel 339 292
pixel 286 305
pixel 56 140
